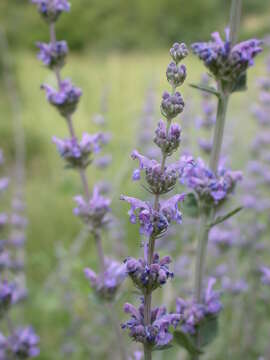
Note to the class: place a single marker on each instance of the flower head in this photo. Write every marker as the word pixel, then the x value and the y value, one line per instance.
pixel 50 10
pixel 225 62
pixel 24 343
pixel 167 142
pixel 106 284
pixel 93 211
pixel 157 332
pixel 149 277
pixel 178 52
pixel 265 275
pixel 78 155
pixel 176 74
pixel 6 295
pixel 172 105
pixel 53 54
pixel 66 99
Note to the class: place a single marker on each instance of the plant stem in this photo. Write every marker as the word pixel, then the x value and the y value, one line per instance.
pixel 235 17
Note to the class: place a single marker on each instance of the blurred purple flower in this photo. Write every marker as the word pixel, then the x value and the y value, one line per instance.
pixel 53 54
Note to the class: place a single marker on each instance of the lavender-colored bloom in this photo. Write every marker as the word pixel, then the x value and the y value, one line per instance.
pixel 172 105
pixel 3 184
pixel 149 277
pixel 178 52
pixel 66 99
pixel 50 10
pixel 167 142
pixel 157 332
pixel 103 161
pixel 106 284
pixel 78 155
pixel 223 238
pixel 24 343
pixel 265 275
pixel 176 75
pixel 193 314
pixel 6 294
pixel 160 181
pixel 234 287
pixel 205 145
pixel 18 221
pixel 208 186
pixel 53 54
pixel 152 221
pixel 94 211
pixel 3 347
pixel 225 62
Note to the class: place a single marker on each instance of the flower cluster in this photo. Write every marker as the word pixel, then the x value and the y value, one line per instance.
pixel 193 314
pixel 108 282
pixel 94 212
pixel 151 326
pixel 50 10
pixel 265 271
pixel 154 222
pixel 210 189
pixel 157 332
pixel 167 141
pixel 149 277
pixel 78 155
pixel 23 343
pixel 53 54
pixel 226 62
pixel 65 99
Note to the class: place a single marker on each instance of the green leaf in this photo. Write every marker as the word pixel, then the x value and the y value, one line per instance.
pixel 208 89
pixel 161 348
pixel 222 218
pixel 190 206
pixel 241 83
pixel 187 342
pixel 208 330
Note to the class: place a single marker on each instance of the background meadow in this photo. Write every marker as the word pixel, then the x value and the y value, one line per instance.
pixel 110 54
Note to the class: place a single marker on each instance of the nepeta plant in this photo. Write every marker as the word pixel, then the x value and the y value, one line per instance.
pixel 92 208
pixel 227 62
pixel 151 326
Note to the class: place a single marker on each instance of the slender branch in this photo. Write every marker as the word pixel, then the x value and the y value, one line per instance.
pixel 235 17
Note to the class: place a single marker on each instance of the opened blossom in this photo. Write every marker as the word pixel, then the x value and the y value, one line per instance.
pixel 50 10
pixel 108 282
pixel 53 54
pixel 78 154
pixel 65 99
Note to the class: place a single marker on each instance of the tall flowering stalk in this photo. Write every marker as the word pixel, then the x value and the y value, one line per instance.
pixel 149 325
pixel 227 63
pixel 92 208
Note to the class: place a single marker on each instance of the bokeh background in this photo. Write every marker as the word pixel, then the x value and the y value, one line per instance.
pixel 118 48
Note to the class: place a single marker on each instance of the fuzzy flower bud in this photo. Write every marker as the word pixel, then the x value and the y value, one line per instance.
pixel 176 75
pixel 178 52
pixel 23 343
pixel 149 277
pixel 168 143
pixel 66 99
pixel 53 55
pixel 50 10
pixel 172 105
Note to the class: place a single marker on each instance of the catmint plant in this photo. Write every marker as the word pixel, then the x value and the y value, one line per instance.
pixel 227 62
pixel 92 207
pixel 151 326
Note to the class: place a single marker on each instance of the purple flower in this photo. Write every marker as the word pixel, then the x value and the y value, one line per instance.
pixel 106 284
pixel 176 75
pixel 160 180
pixel 152 221
pixel 223 238
pixel 265 275
pixel 51 9
pixel 234 287
pixel 227 63
pixel 6 294
pixel 78 155
pixel 66 99
pixel 205 145
pixel 157 332
pixel 208 186
pixel 24 343
pixel 212 299
pixel 53 54
pixel 3 184
pixel 3 347
pixel 149 277
pixel 103 161
pixel 167 142
pixel 94 211
pixel 171 105
pixel 178 52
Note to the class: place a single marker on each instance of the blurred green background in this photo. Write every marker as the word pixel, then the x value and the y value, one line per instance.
pixel 122 45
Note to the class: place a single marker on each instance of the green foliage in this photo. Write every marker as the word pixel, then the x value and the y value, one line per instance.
pixel 124 24
pixel 190 206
